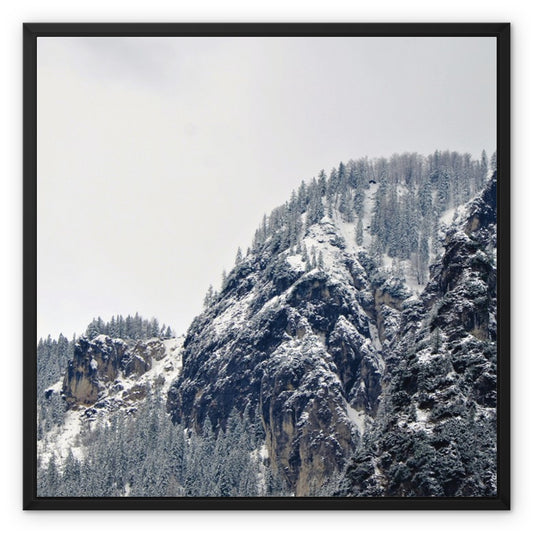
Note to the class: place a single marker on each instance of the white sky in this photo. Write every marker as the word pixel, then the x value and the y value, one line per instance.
pixel 157 157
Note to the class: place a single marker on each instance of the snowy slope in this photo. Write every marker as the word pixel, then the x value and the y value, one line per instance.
pixel 125 393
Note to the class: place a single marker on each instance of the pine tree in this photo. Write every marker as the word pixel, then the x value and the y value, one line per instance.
pixel 322 183
pixel 331 189
pixel 345 205
pixel 320 262
pixel 305 256
pixel 435 242
pixel 129 327
pixel 484 166
pixel 379 212
pixel 92 330
pixel 154 329
pixel 302 199
pixel 423 254
pixel 51 479
pixel 493 162
pixel 208 298
pixel 424 198
pixel 437 340
pixel 113 330
pixel 121 327
pixel 359 232
pixel 238 257
pixel 313 258
pixel 443 192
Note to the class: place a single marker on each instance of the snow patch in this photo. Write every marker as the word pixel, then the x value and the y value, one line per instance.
pixel 57 387
pixel 374 336
pixel 234 315
pixel 357 418
pixel 164 371
pixel 426 355
pixel 422 415
pixel 61 440
pixel 296 262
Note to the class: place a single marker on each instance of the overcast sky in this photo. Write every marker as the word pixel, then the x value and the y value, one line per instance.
pixel 157 157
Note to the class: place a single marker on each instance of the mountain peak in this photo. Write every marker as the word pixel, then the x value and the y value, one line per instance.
pixel 332 341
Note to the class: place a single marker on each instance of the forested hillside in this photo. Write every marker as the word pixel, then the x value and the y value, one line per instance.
pixel 349 352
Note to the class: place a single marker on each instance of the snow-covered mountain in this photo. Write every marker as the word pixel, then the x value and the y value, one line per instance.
pixel 435 431
pixel 313 343
pixel 104 376
pixel 349 365
pixel 303 346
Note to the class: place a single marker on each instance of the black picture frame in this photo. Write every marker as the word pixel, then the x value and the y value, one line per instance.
pixel 31 33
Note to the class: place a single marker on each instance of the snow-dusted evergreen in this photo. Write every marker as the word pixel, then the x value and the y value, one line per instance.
pixel 144 454
pixel 331 361
pixel 435 430
pixel 121 442
pixel 132 327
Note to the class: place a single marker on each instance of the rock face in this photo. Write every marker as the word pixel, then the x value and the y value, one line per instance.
pixel 302 346
pixel 358 371
pixel 343 357
pixel 106 370
pixel 435 430
pixel 95 364
pixel 105 376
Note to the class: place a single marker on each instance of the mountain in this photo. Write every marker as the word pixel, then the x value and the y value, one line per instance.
pixel 317 347
pixel 105 375
pixel 334 360
pixel 298 345
pixel 435 431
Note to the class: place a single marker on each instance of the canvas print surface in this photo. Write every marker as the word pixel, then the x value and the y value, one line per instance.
pixel 267 267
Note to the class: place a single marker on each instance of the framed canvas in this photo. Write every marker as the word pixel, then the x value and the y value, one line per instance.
pixel 266 266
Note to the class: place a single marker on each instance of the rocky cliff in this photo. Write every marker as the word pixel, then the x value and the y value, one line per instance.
pixel 362 372
pixel 435 431
pixel 111 373
pixel 303 346
pixel 328 352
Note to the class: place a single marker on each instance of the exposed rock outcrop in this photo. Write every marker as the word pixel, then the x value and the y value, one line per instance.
pixel 327 335
pixel 300 345
pixel 317 350
pixel 106 370
pixel 95 365
pixel 435 431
